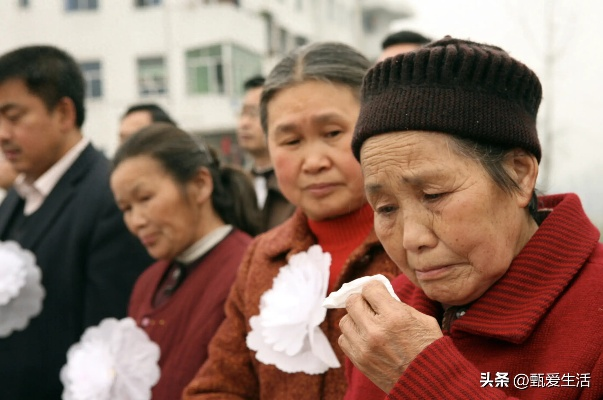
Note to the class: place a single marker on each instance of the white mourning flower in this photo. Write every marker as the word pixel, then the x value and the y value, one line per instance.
pixel 21 291
pixel 286 333
pixel 115 360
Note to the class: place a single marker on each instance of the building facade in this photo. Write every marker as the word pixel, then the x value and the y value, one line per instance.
pixel 189 56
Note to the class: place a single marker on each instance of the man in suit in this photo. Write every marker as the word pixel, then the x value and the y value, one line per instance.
pixel 60 208
pixel 275 208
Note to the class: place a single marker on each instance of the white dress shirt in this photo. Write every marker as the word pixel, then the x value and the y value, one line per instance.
pixel 35 193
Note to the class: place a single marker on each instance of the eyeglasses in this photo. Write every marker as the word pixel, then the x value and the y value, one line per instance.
pixel 250 111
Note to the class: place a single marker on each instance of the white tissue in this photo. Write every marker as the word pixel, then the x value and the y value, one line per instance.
pixel 337 299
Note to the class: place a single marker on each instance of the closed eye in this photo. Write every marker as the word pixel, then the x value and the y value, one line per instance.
pixel 290 142
pixel 13 116
pixel 433 196
pixel 384 210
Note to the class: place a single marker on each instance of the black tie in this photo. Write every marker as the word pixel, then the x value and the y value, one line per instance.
pixel 176 277
pixel 266 174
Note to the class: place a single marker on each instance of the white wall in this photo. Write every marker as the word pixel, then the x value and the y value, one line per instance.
pixel 118 34
pixel 575 87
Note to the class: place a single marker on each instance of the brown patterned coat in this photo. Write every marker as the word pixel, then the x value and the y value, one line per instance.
pixel 232 372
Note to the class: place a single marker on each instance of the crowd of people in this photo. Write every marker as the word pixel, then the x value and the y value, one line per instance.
pixel 420 166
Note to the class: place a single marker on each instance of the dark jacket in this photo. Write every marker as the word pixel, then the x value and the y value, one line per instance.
pixel 89 263
pixel 276 208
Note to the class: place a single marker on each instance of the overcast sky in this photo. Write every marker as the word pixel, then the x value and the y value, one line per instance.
pixel 575 90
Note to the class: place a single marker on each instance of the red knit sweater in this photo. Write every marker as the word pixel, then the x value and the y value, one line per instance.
pixel 184 325
pixel 545 316
pixel 341 236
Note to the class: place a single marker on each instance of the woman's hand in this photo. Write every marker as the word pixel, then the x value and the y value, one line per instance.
pixel 381 335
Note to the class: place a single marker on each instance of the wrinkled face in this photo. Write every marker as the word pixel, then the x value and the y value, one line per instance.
pixel 250 135
pixel 450 229
pixel 32 137
pixel 310 128
pixel 156 209
pixel 132 123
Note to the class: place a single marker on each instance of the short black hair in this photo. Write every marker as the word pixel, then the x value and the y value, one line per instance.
pixel 158 114
pixel 403 37
pixel 254 82
pixel 49 73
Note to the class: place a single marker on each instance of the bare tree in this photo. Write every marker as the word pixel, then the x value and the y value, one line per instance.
pixel 549 40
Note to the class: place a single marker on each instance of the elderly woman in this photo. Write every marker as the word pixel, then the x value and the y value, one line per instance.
pixel 501 291
pixel 277 341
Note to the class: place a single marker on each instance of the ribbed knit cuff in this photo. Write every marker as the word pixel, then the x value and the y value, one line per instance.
pixel 441 372
pixel 461 112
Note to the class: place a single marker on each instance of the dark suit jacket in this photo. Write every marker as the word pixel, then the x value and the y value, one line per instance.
pixel 277 208
pixel 89 263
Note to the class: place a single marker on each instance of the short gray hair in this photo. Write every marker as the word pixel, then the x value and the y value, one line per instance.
pixel 327 61
pixel 491 158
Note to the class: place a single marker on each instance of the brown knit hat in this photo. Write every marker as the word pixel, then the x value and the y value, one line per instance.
pixel 466 89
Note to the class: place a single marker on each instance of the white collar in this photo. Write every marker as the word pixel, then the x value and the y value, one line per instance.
pixel 203 245
pixel 35 193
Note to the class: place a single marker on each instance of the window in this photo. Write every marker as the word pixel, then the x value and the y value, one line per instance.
pixel 245 64
pixel 283 41
pixel 152 79
pixel 77 5
pixel 220 69
pixel 331 9
pixel 205 70
pixel 270 33
pixel 369 22
pixel 93 79
pixel 300 41
pixel 233 2
pixel 147 3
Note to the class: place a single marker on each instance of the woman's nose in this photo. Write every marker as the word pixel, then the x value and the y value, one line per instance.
pixel 316 158
pixel 418 234
pixel 136 219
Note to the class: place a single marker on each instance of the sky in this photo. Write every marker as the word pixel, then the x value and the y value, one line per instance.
pixel 570 31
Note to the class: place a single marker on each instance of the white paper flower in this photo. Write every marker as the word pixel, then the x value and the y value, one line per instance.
pixel 115 360
pixel 21 291
pixel 286 333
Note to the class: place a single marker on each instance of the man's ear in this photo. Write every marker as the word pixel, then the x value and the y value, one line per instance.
pixel 65 112
pixel 523 168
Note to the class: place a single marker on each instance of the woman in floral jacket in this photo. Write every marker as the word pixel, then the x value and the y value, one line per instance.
pixel 277 341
